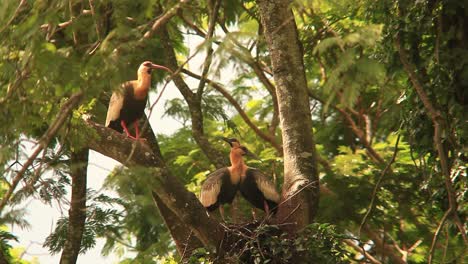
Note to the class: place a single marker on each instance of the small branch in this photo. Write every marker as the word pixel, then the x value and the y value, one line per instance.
pixel 209 52
pixel 368 256
pixel 439 127
pixel 239 109
pixel 246 56
pixel 63 114
pixel 197 30
pixel 377 185
pixel 194 105
pixel 162 20
pixel 96 22
pixel 354 128
pixel 70 7
pixel 436 235
pixel 382 247
pixel 368 123
pixel 361 135
pixel 18 9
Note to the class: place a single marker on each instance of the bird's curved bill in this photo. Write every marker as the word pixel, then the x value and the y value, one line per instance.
pixel 157 66
pixel 229 140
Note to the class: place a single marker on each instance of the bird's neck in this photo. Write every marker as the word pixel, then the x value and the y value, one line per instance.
pixel 141 86
pixel 237 168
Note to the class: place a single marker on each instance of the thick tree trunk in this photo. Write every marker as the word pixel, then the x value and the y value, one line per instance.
pixel 183 236
pixel 77 211
pixel 170 191
pixel 301 189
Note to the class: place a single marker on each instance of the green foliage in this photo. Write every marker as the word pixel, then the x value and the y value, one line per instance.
pixel 100 222
pixel 138 218
pixel 351 64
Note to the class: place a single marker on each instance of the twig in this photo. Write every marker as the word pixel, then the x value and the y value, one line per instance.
pixel 14 15
pixel 209 52
pixel 436 235
pixel 164 18
pixel 96 22
pixel 377 185
pixel 369 257
pixel 72 18
pixel 64 112
pixel 186 245
pixel 439 127
pixel 291 213
pixel 239 109
pixel 296 193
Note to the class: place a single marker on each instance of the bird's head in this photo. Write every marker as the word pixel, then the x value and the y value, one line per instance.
pixel 237 148
pixel 233 142
pixel 147 66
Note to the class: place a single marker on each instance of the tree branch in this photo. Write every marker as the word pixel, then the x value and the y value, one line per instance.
pixel 194 105
pixel 62 115
pixel 382 247
pixel 439 127
pixel 373 154
pixel 166 186
pixel 359 249
pixel 377 185
pixel 239 109
pixel 185 241
pixel 209 52
pixel 246 56
pixel 162 20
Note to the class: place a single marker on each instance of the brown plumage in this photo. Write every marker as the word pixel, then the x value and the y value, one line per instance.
pixel 222 185
pixel 128 105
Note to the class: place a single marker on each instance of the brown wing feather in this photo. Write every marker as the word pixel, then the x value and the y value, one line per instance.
pixel 266 186
pixel 212 186
pixel 116 102
pixel 115 105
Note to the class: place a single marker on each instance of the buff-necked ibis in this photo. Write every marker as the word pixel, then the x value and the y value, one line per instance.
pixel 221 186
pixel 128 105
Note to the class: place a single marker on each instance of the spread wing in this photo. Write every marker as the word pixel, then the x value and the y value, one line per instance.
pixel 266 186
pixel 212 186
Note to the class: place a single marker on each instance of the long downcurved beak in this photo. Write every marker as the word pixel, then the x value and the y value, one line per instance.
pixel 157 66
pixel 228 140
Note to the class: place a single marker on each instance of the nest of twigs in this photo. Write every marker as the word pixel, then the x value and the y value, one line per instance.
pixel 253 242
pixel 260 242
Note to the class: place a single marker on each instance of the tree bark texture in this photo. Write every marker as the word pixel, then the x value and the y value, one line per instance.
pixel 301 189
pixel 168 190
pixel 77 211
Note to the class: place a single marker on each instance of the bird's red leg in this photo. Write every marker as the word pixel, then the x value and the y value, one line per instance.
pixel 254 214
pixel 124 126
pixel 267 209
pixel 137 131
pixel 221 212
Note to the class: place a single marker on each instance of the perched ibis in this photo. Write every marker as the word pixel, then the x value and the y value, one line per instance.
pixel 221 186
pixel 128 105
